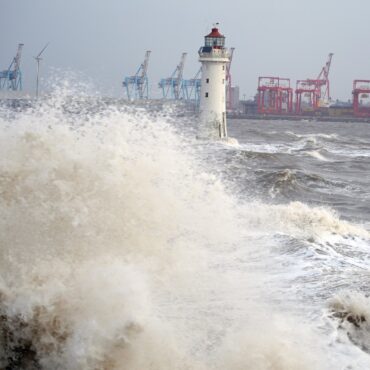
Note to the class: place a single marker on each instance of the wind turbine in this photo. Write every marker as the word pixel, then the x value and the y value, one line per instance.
pixel 38 59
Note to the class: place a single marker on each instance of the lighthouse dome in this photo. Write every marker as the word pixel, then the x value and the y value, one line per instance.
pixel 214 39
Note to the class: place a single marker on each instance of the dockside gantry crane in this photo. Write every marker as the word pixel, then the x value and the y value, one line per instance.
pixel 137 85
pixel 191 88
pixel 322 83
pixel 11 78
pixel 318 90
pixel 228 81
pixel 361 98
pixel 274 95
pixel 172 87
pixel 324 76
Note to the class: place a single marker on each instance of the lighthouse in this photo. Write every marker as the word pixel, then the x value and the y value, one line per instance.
pixel 214 58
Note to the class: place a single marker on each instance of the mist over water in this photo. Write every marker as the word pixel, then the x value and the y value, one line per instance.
pixel 128 244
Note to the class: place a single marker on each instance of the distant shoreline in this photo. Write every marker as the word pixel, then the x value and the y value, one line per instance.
pixel 18 102
pixel 298 118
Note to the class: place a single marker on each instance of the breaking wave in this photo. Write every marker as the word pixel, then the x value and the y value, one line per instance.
pixel 313 137
pixel 351 311
pixel 286 182
pixel 98 212
pixel 303 222
pixel 118 250
pixel 316 154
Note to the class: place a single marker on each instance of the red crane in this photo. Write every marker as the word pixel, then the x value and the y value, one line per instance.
pixel 323 77
pixel 361 92
pixel 322 83
pixel 317 90
pixel 275 96
pixel 228 81
pixel 310 91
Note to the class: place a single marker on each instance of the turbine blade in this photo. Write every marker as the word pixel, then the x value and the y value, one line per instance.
pixel 43 50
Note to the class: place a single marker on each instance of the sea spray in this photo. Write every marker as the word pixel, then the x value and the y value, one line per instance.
pixel 351 311
pixel 121 249
pixel 302 221
pixel 96 210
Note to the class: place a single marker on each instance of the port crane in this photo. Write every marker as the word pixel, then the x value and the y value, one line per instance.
pixel 274 95
pixel 316 90
pixel 308 90
pixel 11 78
pixel 228 81
pixel 324 78
pixel 361 94
pixel 172 87
pixel 191 88
pixel 137 85
pixel 321 85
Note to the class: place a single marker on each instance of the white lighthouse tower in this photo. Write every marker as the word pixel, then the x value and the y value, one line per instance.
pixel 214 58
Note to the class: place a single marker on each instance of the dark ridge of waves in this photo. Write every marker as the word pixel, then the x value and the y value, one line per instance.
pixel 258 155
pixel 289 182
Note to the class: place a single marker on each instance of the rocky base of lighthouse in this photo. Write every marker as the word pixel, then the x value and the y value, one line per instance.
pixel 213 129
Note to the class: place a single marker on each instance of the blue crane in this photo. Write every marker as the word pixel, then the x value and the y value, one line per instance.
pixel 137 85
pixel 191 88
pixel 11 78
pixel 172 87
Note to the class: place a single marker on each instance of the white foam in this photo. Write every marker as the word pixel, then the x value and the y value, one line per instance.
pixel 119 251
pixel 302 221
pixel 316 154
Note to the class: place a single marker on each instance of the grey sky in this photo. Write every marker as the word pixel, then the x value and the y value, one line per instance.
pixel 106 40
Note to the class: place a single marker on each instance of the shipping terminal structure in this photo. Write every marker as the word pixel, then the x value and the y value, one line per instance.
pixel 311 98
pixel 210 91
pixel 275 97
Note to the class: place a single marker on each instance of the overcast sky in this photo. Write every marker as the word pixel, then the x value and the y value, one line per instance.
pixel 106 40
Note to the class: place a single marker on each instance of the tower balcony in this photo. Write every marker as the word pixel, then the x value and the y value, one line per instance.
pixel 210 53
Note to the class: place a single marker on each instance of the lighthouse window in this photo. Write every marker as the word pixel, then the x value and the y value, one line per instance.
pixel 221 41
pixel 217 41
pixel 207 80
pixel 208 41
pixel 223 68
pixel 223 80
pixel 206 95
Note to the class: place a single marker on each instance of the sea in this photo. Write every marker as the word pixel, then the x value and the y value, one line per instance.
pixel 128 243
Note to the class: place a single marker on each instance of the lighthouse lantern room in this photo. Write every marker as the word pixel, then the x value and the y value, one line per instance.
pixel 214 58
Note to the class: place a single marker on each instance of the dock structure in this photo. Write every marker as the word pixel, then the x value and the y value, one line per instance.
pixel 137 86
pixel 191 88
pixel 11 78
pixel 173 87
pixel 361 98
pixel 275 96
